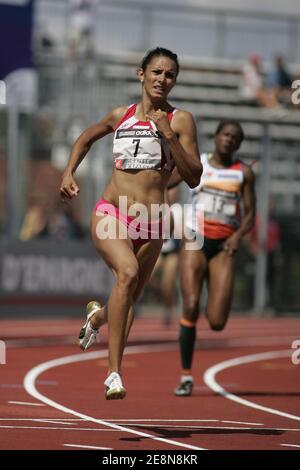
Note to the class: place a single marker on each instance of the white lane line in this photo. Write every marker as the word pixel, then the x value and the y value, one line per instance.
pixel 46 382
pixel 39 420
pixel 189 426
pixel 153 426
pixel 209 379
pixel 25 403
pixel 290 445
pixel 162 420
pixel 71 422
pixel 182 421
pixel 56 429
pixel 33 374
pixel 54 420
pixel 88 447
pixel 243 428
pixel 241 422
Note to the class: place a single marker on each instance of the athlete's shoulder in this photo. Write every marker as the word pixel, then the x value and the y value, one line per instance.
pixel 183 120
pixel 119 112
pixel 182 114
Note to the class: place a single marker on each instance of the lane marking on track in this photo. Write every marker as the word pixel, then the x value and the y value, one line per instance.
pixel 41 382
pixel 182 421
pixel 40 420
pixel 132 421
pixel 241 422
pixel 25 403
pixel 33 374
pixel 56 429
pixel 206 342
pixel 290 445
pixel 242 428
pixel 153 426
pixel 210 374
pixel 52 420
pixel 88 447
pixel 73 421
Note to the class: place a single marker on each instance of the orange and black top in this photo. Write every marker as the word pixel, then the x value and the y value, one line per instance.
pixel 216 200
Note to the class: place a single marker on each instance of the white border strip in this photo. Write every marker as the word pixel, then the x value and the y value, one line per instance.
pixel 210 380
pixel 290 445
pixel 33 374
pixel 24 403
pixel 87 447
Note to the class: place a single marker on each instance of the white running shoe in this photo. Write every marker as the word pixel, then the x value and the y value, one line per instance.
pixel 184 389
pixel 114 387
pixel 88 334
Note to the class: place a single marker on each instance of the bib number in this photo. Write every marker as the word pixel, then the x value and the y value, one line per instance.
pixel 219 205
pixel 137 144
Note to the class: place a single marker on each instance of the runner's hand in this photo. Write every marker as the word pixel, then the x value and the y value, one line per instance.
pixel 69 187
pixel 160 118
pixel 231 245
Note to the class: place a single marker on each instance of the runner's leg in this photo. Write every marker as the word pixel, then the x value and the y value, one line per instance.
pixel 220 289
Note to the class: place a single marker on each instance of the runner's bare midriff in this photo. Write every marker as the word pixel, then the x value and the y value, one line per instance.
pixel 139 186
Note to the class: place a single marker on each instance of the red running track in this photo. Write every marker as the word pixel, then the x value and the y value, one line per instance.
pixel 51 394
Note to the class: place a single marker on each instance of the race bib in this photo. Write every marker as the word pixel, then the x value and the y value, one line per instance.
pixel 218 205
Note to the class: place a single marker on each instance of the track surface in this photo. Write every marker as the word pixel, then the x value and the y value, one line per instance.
pixel 246 393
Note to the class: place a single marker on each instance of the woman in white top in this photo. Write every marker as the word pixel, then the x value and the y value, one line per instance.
pixel 150 140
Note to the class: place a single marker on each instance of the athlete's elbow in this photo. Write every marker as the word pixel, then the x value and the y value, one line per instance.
pixel 193 184
pixel 86 139
pixel 194 180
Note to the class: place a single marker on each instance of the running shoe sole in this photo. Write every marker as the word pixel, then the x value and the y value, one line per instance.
pixel 91 308
pixel 185 389
pixel 115 393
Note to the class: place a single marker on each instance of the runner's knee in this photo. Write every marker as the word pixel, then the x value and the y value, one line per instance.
pixel 217 325
pixel 128 276
pixel 191 309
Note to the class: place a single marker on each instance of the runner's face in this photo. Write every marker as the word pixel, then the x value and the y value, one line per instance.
pixel 227 140
pixel 159 77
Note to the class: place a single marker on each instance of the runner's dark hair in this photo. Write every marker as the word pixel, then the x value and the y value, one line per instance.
pixel 157 52
pixel 231 122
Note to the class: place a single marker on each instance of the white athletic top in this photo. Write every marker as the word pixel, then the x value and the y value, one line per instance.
pixel 139 145
pixel 219 193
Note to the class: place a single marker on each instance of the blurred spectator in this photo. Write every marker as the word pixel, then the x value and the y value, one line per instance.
pixel 81 28
pixel 59 222
pixel 35 220
pixel 47 43
pixel 45 38
pixel 252 88
pixel 280 80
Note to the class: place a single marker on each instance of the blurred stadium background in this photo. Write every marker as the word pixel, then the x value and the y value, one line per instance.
pixel 64 64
